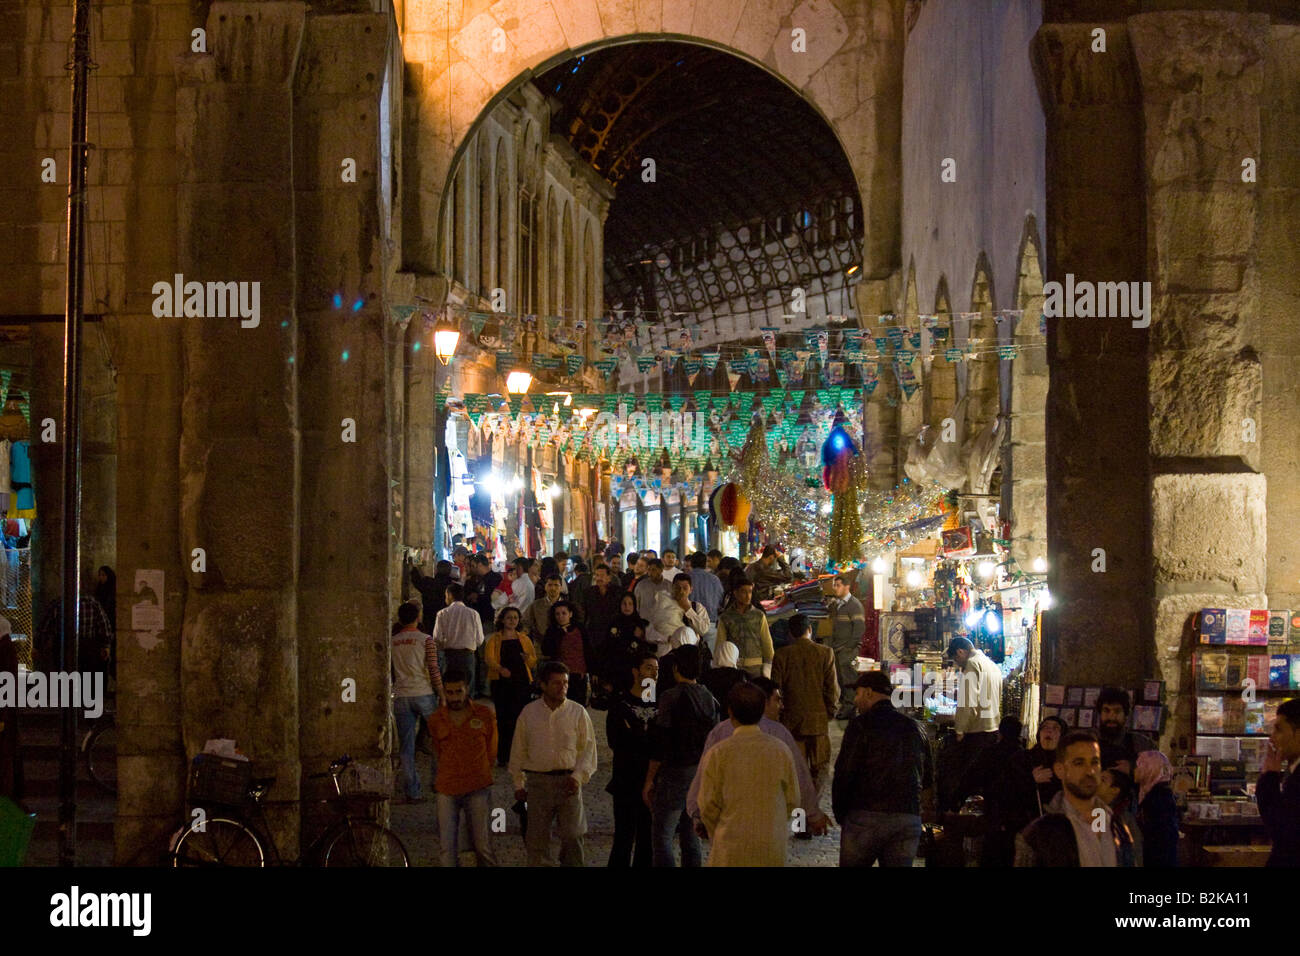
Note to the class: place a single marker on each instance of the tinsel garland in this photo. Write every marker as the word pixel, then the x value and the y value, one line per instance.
pixel 782 501
pixel 846 524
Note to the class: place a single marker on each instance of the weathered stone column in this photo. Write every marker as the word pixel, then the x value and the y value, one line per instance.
pixel 1202 77
pixel 1026 453
pixel 344 543
pixel 239 438
pixel 1097 448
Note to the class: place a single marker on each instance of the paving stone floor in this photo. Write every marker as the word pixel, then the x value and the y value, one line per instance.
pixel 417 824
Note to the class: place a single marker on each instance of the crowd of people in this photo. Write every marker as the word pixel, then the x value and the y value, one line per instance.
pixel 721 735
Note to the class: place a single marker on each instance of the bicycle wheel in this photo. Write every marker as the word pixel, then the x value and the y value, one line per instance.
pixel 365 844
pixel 101 756
pixel 221 842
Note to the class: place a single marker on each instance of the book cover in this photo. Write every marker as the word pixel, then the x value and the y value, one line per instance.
pixel 1146 717
pixel 1257 670
pixel 1279 627
pixel 1257 630
pixel 1270 711
pixel 1234 715
pixel 1255 723
pixel 1235 672
pixel 1252 752
pixel 1212 670
pixel 1212 625
pixel 1074 696
pixel 1279 671
pixel 1209 715
pixel 1054 694
pixel 1236 626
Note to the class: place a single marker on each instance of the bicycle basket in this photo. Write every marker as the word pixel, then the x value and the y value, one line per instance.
pixel 219 780
pixel 358 778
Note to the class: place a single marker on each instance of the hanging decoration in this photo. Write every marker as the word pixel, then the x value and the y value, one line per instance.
pixel 730 507
pixel 840 476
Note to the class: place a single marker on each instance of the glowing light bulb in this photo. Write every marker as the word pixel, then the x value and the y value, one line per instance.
pixel 991 623
pixel 973 619
pixel 826 507
pixel 914 579
pixel 986 569
pixel 1040 564
pixel 878 566
pixel 1045 601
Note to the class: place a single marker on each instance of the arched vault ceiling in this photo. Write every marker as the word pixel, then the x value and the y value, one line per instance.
pixel 732 145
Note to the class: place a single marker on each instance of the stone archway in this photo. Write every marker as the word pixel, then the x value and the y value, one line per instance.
pixel 458 64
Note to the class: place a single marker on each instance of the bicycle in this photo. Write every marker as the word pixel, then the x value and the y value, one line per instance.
pixel 99 751
pixel 238 840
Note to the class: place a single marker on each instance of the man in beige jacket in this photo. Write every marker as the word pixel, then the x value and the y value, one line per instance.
pixel 748 789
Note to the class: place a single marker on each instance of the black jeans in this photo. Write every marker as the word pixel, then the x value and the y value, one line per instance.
pixel 631 824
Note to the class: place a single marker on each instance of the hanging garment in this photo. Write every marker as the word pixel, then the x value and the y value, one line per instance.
pixel 5 454
pixel 20 477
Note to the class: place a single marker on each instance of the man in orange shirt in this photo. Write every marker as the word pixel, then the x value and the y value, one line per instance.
pixel 464 736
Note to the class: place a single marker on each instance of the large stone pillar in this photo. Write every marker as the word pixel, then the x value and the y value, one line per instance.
pixel 1097 446
pixel 1202 75
pixel 342 360
pixel 239 439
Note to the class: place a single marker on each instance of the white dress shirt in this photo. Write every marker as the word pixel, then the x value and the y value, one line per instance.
pixel 560 739
pixel 458 628
pixel 521 592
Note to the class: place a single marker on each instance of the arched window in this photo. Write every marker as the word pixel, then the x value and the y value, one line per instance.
pixel 552 255
pixel 569 307
pixel 502 274
pixel 483 211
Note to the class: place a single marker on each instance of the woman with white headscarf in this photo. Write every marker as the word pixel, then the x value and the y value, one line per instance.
pixel 724 674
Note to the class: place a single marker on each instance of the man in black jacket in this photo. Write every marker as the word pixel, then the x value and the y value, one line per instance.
pixel 627 727
pixel 883 765
pixel 1278 793
pixel 433 590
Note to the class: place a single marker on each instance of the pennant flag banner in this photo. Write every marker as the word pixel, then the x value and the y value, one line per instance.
pixel 929 321
pixel 477 320
pixel 505 362
pixel 882 344
pixel 940 334
pixel 1006 351
pixel 823 340
pixel 552 323
pixel 710 359
pixel 1042 324
pixel 516 403
pixel 853 338
pixel 545 362
pixel 810 338
pixel 573 364
pixel 915 340
pixel 654 401
pixel 870 377
pixel 763 371
pixel 953 355
pixel 769 339
pixel 738 366
pixel 401 313
pixel 786 355
pixel 675 402
pixel 906 356
pixel 906 379
pixel 896 336
pixel 610 404
pixel 703 399
pixel 509 332
pixel 606 366
pixel 691 366
pixel 645 363
pixel 836 372
pixel 782 376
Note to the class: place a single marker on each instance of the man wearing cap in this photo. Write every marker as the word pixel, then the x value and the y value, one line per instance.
pixel 882 768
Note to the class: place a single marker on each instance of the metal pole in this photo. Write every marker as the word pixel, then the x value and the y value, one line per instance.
pixel 70 566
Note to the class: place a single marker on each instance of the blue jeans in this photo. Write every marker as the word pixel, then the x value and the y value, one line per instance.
pixel 409 713
pixel 669 814
pixel 891 838
pixel 475 806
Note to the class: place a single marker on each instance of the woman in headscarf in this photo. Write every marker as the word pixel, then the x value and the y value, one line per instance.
pixel 724 674
pixel 626 639
pixel 1157 809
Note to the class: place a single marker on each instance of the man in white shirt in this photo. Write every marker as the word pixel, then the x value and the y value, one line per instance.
pixel 458 630
pixel 979 695
pixel 671 570
pixel 553 754
pixel 675 619
pixel 522 589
